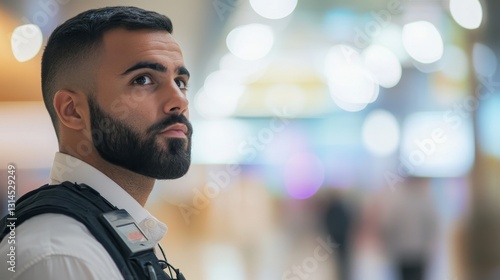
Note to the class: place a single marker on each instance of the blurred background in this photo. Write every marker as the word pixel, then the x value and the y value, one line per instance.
pixel 334 139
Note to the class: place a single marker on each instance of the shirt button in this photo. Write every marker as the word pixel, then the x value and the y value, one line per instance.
pixel 150 224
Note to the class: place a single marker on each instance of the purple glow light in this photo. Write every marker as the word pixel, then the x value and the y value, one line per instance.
pixel 304 175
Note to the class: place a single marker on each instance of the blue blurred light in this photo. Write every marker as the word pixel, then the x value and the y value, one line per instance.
pixel 338 24
pixel 489 134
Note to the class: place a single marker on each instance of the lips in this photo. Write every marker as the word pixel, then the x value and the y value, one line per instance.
pixel 175 130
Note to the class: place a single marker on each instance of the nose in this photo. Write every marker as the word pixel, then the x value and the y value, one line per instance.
pixel 176 101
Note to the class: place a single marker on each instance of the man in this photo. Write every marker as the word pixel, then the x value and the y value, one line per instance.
pixel 114 84
pixel 410 228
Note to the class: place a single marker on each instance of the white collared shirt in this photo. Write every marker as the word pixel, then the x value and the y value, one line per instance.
pixel 57 247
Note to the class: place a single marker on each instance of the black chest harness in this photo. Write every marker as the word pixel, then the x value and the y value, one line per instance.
pixel 114 228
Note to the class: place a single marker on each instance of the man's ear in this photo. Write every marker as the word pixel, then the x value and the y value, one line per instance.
pixel 70 109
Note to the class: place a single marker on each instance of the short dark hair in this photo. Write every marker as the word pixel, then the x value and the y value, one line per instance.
pixel 75 41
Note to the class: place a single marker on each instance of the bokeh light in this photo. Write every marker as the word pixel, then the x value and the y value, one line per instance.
pixel 219 96
pixel 438 144
pixel 484 60
pixel 351 85
pixel 251 42
pixel 380 133
pixel 383 64
pixel 211 108
pixel 422 41
pixel 275 9
pixel 218 141
pixel 304 174
pixel 26 42
pixel 390 36
pixel 467 13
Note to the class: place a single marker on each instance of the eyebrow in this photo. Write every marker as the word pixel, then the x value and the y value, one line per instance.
pixel 181 70
pixel 144 64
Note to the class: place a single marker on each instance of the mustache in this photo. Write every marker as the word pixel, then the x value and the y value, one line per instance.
pixel 170 120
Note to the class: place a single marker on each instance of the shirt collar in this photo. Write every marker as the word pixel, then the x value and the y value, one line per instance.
pixel 68 168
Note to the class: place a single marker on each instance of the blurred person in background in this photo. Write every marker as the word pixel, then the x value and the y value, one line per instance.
pixel 338 222
pixel 409 228
pixel 114 84
pixel 369 261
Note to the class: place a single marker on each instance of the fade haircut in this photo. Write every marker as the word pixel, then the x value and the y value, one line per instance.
pixel 74 44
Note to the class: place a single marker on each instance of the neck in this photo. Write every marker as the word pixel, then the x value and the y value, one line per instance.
pixel 138 186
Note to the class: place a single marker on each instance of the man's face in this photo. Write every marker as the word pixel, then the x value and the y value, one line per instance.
pixel 139 111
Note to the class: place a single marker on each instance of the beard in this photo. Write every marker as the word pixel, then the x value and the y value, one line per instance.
pixel 118 144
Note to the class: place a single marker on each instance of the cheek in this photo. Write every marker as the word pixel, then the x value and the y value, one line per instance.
pixel 140 120
pixel 108 89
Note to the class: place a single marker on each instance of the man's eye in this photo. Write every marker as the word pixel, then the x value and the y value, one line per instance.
pixel 142 80
pixel 181 84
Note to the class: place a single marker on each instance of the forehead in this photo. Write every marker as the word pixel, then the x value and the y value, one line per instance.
pixel 122 48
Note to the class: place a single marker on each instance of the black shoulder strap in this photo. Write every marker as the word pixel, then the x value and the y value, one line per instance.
pixel 80 202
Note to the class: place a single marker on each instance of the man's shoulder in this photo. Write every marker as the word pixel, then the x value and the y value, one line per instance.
pixel 49 233
pixel 52 236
